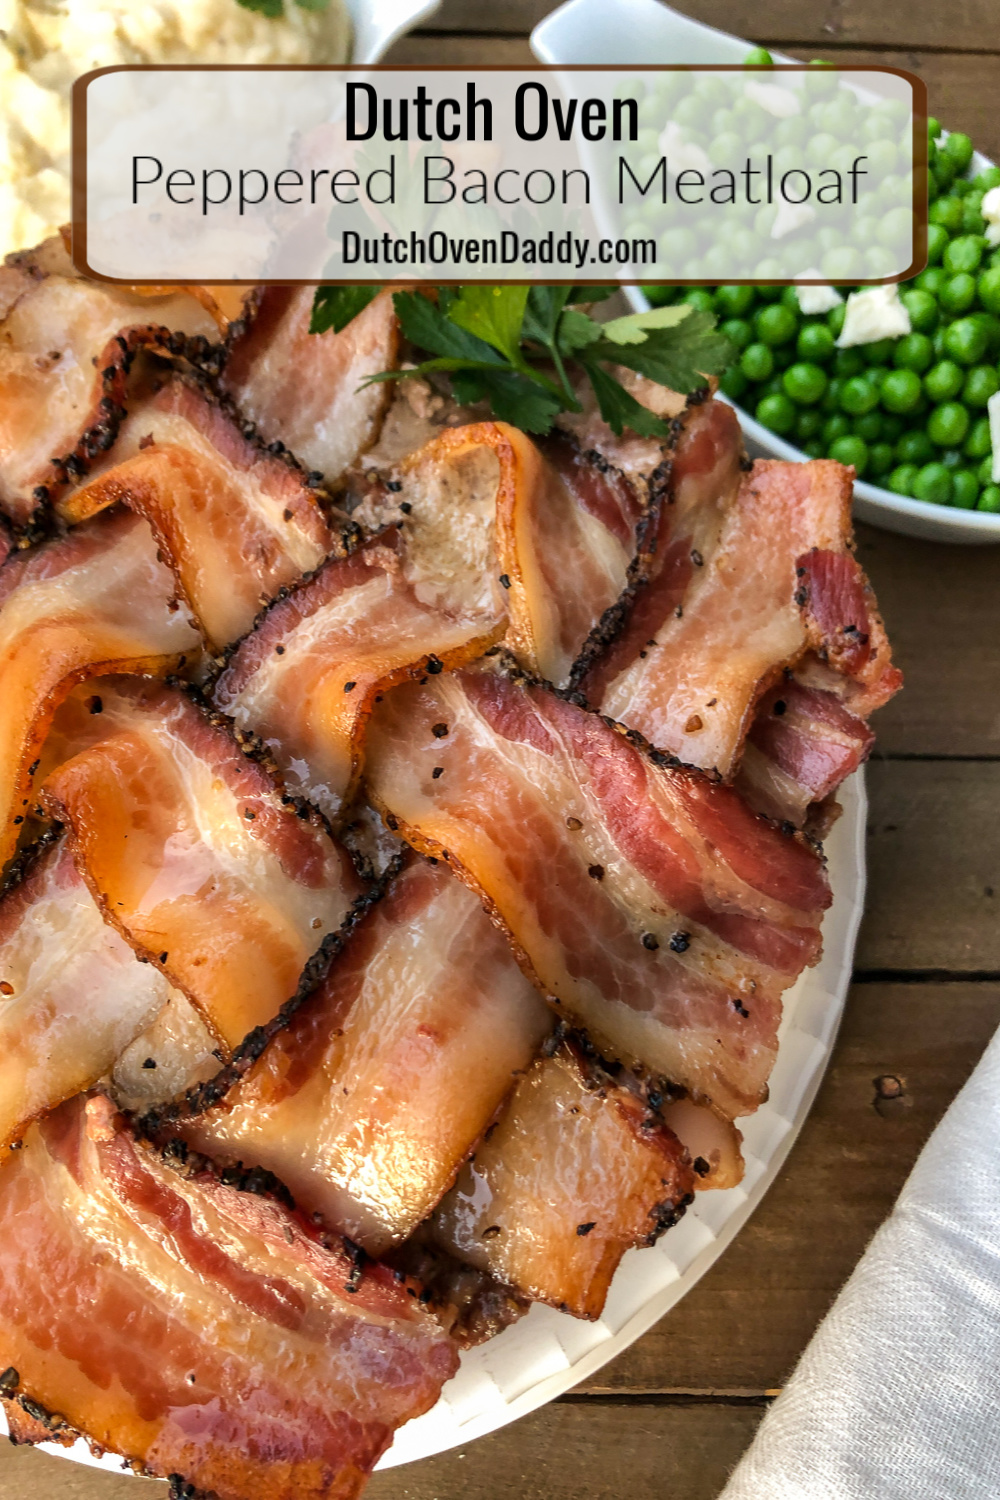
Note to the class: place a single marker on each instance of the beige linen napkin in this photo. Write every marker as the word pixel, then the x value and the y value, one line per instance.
pixel 897 1397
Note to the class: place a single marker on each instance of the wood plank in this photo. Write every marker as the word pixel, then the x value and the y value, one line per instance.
pixel 561 1453
pixel 942 609
pixel 934 867
pixel 970 24
pixel 742 1328
pixel 462 51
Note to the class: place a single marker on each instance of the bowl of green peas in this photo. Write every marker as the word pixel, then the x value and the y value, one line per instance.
pixel 910 413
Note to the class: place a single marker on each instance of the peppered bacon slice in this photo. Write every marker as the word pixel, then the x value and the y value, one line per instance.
pixel 651 904
pixel 541 533
pixel 368 1101
pixel 766 583
pixel 97 600
pixel 65 348
pixel 571 1177
pixel 194 856
pixel 802 744
pixel 199 1330
pixel 72 994
pixel 174 1052
pixel 306 389
pixel 307 678
pixel 235 522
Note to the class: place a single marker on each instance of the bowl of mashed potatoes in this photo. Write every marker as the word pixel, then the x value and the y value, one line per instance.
pixel 46 44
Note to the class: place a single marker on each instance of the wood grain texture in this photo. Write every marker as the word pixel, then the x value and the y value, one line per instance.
pixel 968 25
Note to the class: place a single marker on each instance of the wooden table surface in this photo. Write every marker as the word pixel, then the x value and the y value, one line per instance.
pixel 670 1417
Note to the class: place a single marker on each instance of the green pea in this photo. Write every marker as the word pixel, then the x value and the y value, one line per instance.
pixel 985 470
pixel 981 383
pixel 659 296
pixel 914 447
pixel 945 172
pixel 901 390
pixel 937 239
pixel 937 339
pixel 961 188
pixel 973 222
pixel 988 289
pixel 933 128
pixel 932 191
pixel 989 499
pixel 952 459
pixel 805 383
pixel 814 448
pixel 724 148
pixel 841 263
pixel 722 121
pixel 815 343
pixel 734 301
pixel 914 351
pixel 876 376
pixel 963 253
pixel 835 319
pixel 988 178
pixel 768 293
pixel 858 396
pixel 880 458
pixel 958 148
pixel 733 383
pixel 958 293
pixel 931 280
pixel 966 341
pixel 848 362
pixel 944 380
pixel 850 451
pixel 903 479
pixel 978 444
pixel 738 331
pixel 933 483
pixel 835 427
pixel 757 362
pixel 892 428
pixel 758 57
pixel 809 424
pixel 964 489
pixel 869 427
pixel 831 401
pixel 777 413
pixel 947 211
pixel 948 425
pixel 878 352
pixel 991 325
pixel 775 325
pixel 784 357
pixel 700 299
pixel 923 310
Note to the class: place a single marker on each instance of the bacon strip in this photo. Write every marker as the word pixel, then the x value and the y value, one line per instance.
pixel 570 1178
pixel 308 677
pixel 383 1081
pixel 750 580
pixel 65 348
pixel 176 1051
pixel 802 745
pixel 92 602
pixel 193 855
pixel 651 904
pixel 305 389
pixel 72 995
pixel 235 522
pixel 199 1330
pixel 496 523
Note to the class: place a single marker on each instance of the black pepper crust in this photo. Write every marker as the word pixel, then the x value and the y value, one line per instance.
pixel 155 1124
pixel 615 617
pixel 22 865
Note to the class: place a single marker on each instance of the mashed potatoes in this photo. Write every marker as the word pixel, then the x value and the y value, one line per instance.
pixel 46 44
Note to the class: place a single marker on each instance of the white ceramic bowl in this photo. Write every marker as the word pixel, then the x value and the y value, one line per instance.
pixel 379 23
pixel 634 31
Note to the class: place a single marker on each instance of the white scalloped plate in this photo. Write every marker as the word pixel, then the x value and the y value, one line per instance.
pixel 547 1352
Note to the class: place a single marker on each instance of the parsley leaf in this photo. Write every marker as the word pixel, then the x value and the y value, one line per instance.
pixel 274 9
pixel 336 306
pixel 493 313
pixel 620 409
pixel 501 344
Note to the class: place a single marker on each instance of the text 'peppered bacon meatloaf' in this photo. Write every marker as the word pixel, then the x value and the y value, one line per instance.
pixel 410 829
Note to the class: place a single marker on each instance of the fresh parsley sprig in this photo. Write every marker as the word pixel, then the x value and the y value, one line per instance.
pixel 275 9
pixel 514 346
